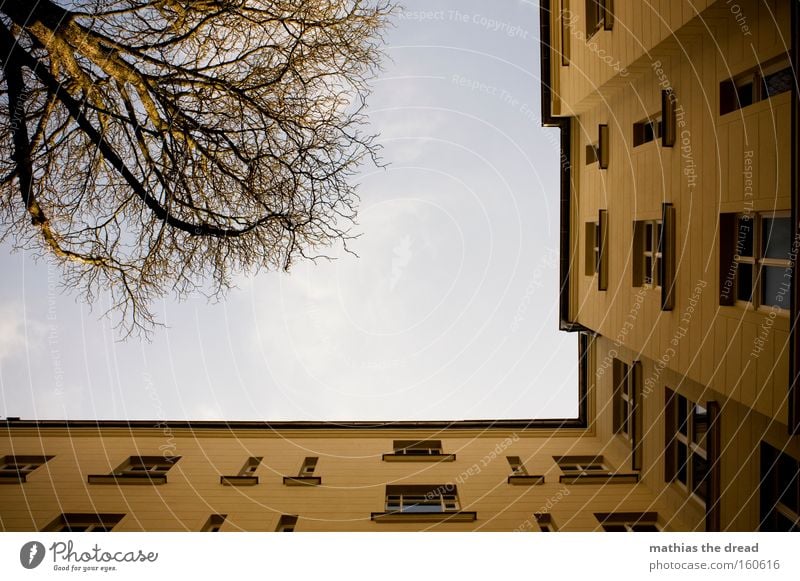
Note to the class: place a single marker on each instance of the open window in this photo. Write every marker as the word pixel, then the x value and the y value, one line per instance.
pixel 599 16
pixel 214 523
pixel 519 474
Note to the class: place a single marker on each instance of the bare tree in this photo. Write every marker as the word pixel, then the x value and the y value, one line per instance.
pixel 163 146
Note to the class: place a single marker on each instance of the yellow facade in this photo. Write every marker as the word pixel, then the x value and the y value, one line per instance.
pixel 651 355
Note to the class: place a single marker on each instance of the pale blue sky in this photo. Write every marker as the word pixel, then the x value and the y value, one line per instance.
pixel 449 313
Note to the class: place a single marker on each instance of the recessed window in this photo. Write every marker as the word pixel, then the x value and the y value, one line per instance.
pixel 686 457
pixel 566 31
pixel 247 474
pixel 595 255
pixel 415 499
pixel 762 82
pixel 308 467
pixel 755 259
pixel 780 491
pixel 286 524
pixel 16 468
pixel 138 470
pixel 621 522
pixel 84 523
pixel 647 254
pixel 418 450
pixel 153 465
pixel 599 16
pixel 214 523
pixel 647 130
pixel 545 522
pixel 581 465
pixel 623 399
pixel 517 467
pixel 422 503
pixel 250 467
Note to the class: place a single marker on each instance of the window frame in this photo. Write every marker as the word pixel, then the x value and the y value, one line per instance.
pixel 757 261
pixel 629 521
pixel 774 487
pixel 678 407
pixel 15 468
pixel 423 503
pixel 730 97
pixel 93 522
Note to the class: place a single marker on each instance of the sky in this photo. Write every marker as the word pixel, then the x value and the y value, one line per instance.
pixel 449 312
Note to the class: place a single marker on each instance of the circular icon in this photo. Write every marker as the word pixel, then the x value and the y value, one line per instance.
pixel 31 554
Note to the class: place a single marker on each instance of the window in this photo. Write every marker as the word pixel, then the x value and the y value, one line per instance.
pixel 581 465
pixel 668 118
pixel 519 474
pixel 16 468
pixel 247 474
pixel 596 241
pixel 84 523
pixel 686 458
pixel 636 522
pixel 418 450
pixel 410 499
pixel 307 469
pixel 545 522
pixel 647 130
pixel 138 470
pixel 422 503
pixel 627 387
pixel 591 470
pixel 598 152
pixel 151 465
pixel 592 153
pixel 517 468
pixel 647 253
pixel 762 82
pixel 755 259
pixel 214 523
pixel 780 491
pixel 286 524
pixel 306 474
pixel 599 15
pixel 250 467
pixel 566 31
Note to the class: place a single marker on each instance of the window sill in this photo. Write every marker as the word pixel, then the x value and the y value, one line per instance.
pixel 602 478
pixel 526 479
pixel 127 479
pixel 419 458
pixel 238 480
pixel 302 480
pixel 424 517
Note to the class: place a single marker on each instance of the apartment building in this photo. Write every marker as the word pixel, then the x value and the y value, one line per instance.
pixel 679 148
pixel 679 195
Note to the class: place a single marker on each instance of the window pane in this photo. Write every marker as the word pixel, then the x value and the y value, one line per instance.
pixel 682 403
pixel 682 459
pixel 744 238
pixel 614 528
pixel 779 82
pixel 776 237
pixel 745 94
pixel 775 286
pixel 744 282
pixel 648 236
pixel 700 476
pixel 645 528
pixel 788 481
pixel 648 270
